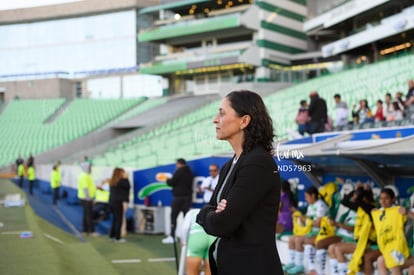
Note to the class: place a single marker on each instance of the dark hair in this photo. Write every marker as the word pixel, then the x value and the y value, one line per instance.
pixel 365 194
pixel 312 190
pixel 286 189
pixel 260 129
pixel 396 106
pixel 181 161
pixel 389 192
pixel 302 102
pixel 337 96
pixel 215 165
pixel 379 101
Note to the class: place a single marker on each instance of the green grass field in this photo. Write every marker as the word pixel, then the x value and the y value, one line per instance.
pixel 51 250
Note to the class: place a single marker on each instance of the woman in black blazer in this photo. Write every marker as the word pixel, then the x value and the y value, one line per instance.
pixel 243 210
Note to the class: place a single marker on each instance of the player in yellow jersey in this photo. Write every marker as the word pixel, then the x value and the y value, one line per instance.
pixel 409 263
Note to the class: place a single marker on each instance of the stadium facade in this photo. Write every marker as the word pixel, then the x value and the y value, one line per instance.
pixel 205 45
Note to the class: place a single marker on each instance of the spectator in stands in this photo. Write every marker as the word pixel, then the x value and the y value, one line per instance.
pixel 379 114
pixel 302 117
pixel 409 98
pixel 287 206
pixel 31 175
pixel 119 193
pixel 86 195
pixel 362 198
pixel 400 100
pixel 318 113
pixel 396 113
pixel 341 111
pixel 55 181
pixel 364 112
pixel 209 183
pixel 409 263
pixel 329 125
pixel 355 119
pixel 300 247
pixel 243 210
pixel 387 105
pixel 197 243
pixel 182 189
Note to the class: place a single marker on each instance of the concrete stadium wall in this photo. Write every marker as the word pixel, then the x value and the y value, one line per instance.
pixel 73 9
pixel 38 89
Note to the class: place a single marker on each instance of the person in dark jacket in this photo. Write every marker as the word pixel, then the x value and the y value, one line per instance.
pixel 119 192
pixel 182 189
pixel 243 210
pixel 318 113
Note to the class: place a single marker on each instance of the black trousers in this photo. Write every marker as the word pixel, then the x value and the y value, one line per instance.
pixel 179 204
pixel 117 212
pixel 31 183
pixel 55 195
pixel 87 222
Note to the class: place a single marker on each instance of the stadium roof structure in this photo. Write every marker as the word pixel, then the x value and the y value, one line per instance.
pixel 381 154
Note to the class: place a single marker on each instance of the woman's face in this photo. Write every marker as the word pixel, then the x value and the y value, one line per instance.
pixel 385 200
pixel 310 199
pixel 228 123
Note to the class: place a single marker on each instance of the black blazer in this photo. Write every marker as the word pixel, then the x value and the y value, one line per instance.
pixel 247 226
pixel 120 192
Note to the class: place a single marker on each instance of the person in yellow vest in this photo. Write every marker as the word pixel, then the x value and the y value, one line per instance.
pixel 20 173
pixel 101 207
pixel 409 262
pixel 386 200
pixel 362 201
pixel 86 195
pixel 55 180
pixel 31 176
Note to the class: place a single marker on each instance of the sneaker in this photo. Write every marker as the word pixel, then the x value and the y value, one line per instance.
pixel 287 266
pixel 168 240
pixel 94 234
pixel 122 240
pixel 296 270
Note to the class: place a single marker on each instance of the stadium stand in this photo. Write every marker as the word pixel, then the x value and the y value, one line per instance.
pixel 188 133
pixel 24 131
pixel 371 82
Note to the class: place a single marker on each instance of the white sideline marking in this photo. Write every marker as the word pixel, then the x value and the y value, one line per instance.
pixel 126 261
pixel 13 232
pixel 152 260
pixel 53 238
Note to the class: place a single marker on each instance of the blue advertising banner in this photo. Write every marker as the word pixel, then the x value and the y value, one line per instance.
pixel 151 188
